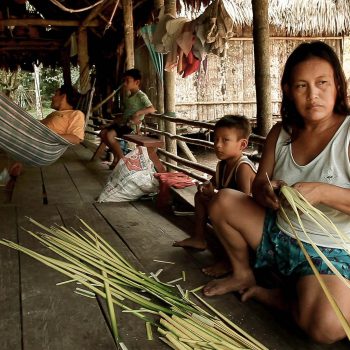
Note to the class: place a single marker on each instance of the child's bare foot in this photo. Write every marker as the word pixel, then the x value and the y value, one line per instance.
pixel 219 269
pixel 191 242
pixel 232 283
pixel 271 297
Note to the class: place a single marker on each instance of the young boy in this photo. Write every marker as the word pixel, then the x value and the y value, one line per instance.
pixel 136 105
pixel 234 171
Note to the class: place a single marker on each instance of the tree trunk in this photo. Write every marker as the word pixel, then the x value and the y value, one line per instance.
pixel 261 36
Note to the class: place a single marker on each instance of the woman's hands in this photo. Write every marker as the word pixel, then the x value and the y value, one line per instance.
pixel 206 189
pixel 311 191
pixel 266 194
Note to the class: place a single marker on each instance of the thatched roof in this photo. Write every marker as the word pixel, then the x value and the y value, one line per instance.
pixel 298 17
pixel 23 39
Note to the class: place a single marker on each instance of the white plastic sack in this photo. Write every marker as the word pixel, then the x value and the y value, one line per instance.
pixel 130 181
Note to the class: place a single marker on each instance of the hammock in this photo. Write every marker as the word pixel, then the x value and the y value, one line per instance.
pixel 25 138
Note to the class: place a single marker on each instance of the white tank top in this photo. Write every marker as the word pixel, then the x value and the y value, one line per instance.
pixel 330 166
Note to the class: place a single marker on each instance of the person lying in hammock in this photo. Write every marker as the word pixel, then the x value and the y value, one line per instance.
pixel 66 121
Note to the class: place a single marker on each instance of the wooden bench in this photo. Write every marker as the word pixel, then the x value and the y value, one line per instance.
pixel 141 140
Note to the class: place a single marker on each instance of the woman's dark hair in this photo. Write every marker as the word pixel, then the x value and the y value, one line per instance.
pixel 133 73
pixel 72 94
pixel 238 122
pixel 305 51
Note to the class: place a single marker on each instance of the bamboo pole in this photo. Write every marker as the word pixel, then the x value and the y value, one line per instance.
pixel 262 65
pixel 187 151
pixel 169 92
pixel 188 163
pixel 128 34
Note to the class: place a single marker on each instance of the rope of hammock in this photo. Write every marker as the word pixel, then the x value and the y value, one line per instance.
pixel 62 7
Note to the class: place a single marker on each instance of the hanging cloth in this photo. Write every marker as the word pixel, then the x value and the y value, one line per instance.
pixel 25 138
pixel 157 58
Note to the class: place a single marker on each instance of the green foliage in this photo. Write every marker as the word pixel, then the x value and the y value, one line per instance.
pixel 20 87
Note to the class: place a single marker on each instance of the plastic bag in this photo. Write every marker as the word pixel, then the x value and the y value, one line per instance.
pixel 130 181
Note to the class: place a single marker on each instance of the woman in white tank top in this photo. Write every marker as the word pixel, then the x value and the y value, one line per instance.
pixel 309 150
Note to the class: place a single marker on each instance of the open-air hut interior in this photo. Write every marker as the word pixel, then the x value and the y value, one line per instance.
pixel 35 312
pixel 53 34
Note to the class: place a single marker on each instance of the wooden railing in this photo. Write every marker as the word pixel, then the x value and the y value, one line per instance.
pixel 188 166
pixel 256 142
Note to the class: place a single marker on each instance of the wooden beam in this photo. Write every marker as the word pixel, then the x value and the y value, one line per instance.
pixel 45 22
pixel 261 35
pixel 169 92
pixel 129 33
pixel 83 60
pixel 94 12
pixel 22 44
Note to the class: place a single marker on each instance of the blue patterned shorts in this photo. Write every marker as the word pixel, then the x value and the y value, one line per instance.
pixel 280 251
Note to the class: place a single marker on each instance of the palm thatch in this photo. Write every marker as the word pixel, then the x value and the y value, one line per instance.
pixel 298 17
pixel 24 40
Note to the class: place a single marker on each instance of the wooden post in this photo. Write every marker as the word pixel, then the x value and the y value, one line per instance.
pixel 261 36
pixel 65 58
pixel 128 34
pixel 169 92
pixel 158 4
pixel 83 59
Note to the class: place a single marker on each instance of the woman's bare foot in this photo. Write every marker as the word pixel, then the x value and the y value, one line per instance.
pixel 191 242
pixel 232 283
pixel 271 297
pixel 217 270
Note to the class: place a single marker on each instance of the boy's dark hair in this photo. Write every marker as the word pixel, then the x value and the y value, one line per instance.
pixel 133 73
pixel 72 94
pixel 238 122
pixel 305 51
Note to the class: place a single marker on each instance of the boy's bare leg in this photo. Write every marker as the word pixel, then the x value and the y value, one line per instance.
pixel 237 230
pixel 197 241
pixel 108 137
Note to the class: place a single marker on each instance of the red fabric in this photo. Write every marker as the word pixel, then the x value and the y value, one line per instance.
pixel 167 180
pixel 188 64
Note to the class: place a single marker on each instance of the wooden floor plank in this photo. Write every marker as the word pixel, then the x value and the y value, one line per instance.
pixel 140 230
pixel 131 329
pixel 10 308
pixel 97 167
pixel 86 182
pixel 59 187
pixel 54 317
pixel 28 188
